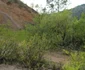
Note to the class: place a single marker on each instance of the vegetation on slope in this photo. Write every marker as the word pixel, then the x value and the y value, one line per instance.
pixel 51 32
pixel 77 11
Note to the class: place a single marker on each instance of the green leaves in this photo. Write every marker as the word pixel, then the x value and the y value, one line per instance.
pixel 53 28
pixel 77 61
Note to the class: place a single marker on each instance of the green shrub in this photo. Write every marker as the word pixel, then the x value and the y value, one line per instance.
pixel 56 28
pixel 8 50
pixel 13 49
pixel 60 29
pixel 77 62
pixel 79 33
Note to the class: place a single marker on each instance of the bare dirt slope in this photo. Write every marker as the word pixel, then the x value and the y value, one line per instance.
pixel 18 13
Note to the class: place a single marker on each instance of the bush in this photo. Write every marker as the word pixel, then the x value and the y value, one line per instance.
pixel 34 55
pixel 77 62
pixel 60 29
pixel 8 50
pixel 28 53
pixel 56 29
pixel 77 37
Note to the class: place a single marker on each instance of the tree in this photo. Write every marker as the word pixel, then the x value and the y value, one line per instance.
pixel 56 5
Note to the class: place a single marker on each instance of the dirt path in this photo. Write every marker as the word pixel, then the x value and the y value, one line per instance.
pixel 11 67
pixel 57 57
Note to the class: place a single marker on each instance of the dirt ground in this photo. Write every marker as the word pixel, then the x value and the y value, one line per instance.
pixel 57 57
pixel 11 67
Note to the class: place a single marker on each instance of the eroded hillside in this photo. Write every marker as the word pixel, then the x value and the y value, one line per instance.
pixel 16 13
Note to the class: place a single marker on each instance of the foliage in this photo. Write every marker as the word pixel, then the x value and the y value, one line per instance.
pixel 59 30
pixel 34 57
pixel 78 33
pixel 50 32
pixel 54 28
pixel 77 11
pixel 14 47
pixel 77 62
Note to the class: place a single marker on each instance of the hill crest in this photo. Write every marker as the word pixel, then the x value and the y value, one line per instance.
pixel 16 12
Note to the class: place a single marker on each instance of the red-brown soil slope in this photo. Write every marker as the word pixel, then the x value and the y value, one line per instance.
pixel 16 14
